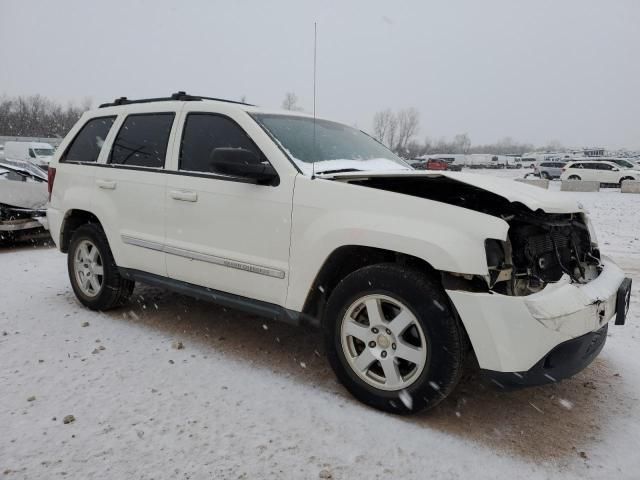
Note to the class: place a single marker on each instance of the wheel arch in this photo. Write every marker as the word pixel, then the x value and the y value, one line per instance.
pixel 74 219
pixel 347 259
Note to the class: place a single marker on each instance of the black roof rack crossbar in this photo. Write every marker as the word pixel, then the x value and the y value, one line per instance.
pixel 180 96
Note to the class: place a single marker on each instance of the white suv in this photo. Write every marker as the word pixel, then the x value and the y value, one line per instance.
pixel 605 172
pixel 307 220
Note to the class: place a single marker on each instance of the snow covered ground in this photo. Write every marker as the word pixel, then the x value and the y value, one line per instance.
pixel 245 398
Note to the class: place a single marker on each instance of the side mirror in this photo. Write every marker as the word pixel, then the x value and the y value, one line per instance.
pixel 239 162
pixel 616 169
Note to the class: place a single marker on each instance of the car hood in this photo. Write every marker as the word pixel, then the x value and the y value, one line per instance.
pixel 530 196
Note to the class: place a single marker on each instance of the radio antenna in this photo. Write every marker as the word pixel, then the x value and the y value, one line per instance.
pixel 315 43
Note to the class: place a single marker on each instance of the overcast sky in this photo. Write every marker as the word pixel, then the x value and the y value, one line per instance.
pixel 536 71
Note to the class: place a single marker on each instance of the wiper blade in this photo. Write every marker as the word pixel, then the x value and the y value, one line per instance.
pixel 338 170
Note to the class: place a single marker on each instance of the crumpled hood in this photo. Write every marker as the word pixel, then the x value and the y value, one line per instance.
pixel 535 198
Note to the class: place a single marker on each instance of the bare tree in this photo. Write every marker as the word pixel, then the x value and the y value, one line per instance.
pixel 408 123
pixel 462 143
pixel 37 116
pixel 381 122
pixel 290 102
pixel 385 127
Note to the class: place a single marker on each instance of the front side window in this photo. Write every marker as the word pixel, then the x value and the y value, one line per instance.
pixel 203 133
pixel 89 140
pixel 329 145
pixel 142 140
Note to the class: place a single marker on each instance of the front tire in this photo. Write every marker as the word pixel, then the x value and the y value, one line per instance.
pixel 574 177
pixel 93 273
pixel 392 338
pixel 623 179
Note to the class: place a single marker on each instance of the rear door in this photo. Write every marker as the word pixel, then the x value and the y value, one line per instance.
pixel 222 232
pixel 130 188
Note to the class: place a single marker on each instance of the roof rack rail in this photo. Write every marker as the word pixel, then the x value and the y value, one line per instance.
pixel 180 96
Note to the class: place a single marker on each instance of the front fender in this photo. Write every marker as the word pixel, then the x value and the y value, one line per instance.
pixel 328 215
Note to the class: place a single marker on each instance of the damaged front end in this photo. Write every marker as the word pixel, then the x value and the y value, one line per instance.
pixel 542 246
pixel 540 312
pixel 541 249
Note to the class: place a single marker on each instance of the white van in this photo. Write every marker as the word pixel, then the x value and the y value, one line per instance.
pixel 37 153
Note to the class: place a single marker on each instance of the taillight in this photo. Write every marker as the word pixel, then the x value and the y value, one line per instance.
pixel 564 169
pixel 51 176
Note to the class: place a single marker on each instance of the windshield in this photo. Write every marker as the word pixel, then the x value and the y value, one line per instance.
pixel 43 152
pixel 336 147
pixel 623 163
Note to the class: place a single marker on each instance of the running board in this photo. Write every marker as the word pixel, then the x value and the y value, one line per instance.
pixel 249 305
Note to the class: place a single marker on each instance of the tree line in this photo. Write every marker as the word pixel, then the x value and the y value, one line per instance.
pixel 397 130
pixel 37 116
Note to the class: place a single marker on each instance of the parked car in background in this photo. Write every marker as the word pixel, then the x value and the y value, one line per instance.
pixel 549 170
pixel 36 153
pixel 607 173
pixel 433 164
pixel 454 162
pixel 23 199
pixel 528 162
pixel 415 162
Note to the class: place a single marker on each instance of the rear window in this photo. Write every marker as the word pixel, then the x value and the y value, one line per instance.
pixel 87 144
pixel 142 140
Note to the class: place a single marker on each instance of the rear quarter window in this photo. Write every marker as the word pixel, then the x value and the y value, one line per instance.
pixel 87 144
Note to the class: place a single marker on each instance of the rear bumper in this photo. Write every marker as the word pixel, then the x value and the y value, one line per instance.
pixel 561 362
pixel 514 334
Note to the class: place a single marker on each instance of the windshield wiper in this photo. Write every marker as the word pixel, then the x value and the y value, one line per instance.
pixel 338 170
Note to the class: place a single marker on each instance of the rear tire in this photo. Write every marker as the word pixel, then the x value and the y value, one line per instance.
pixel 93 273
pixel 545 176
pixel 408 354
pixel 574 177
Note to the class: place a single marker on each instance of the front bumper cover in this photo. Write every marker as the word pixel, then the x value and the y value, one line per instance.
pixel 563 361
pixel 512 334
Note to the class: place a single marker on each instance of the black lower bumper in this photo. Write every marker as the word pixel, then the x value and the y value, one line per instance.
pixel 565 360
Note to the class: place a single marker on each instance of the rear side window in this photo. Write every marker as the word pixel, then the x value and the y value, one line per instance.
pixel 89 140
pixel 203 133
pixel 142 140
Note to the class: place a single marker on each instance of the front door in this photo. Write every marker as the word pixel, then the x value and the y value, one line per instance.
pixel 222 232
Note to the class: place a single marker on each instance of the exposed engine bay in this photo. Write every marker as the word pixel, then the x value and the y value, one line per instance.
pixel 541 247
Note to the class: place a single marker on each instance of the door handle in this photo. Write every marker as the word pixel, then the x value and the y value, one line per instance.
pixel 184 195
pixel 106 184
